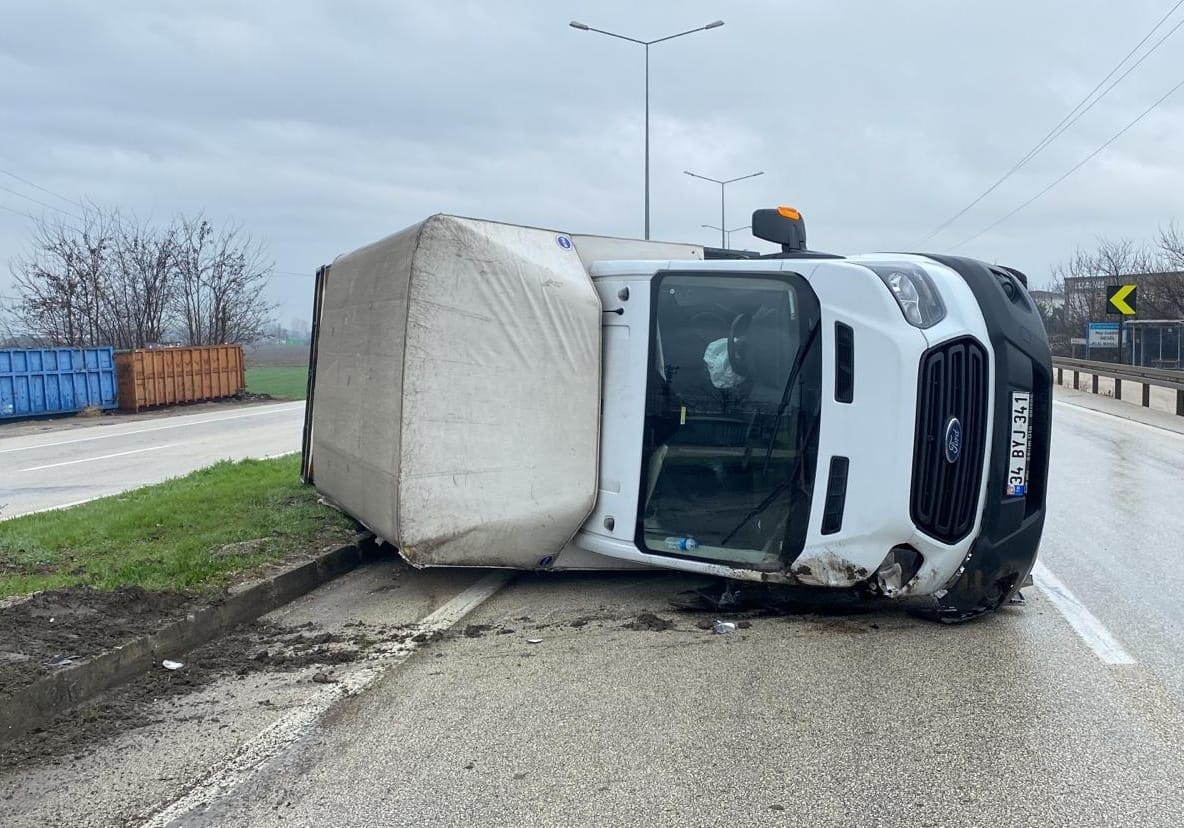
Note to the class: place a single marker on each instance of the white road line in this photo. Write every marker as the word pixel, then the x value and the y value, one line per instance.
pixel 1086 624
pixel 60 506
pixel 248 759
pixel 72 503
pixel 280 454
pixel 1158 429
pixel 277 409
pixel 100 457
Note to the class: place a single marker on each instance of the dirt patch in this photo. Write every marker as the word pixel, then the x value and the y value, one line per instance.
pixel 245 396
pixel 649 622
pixel 757 600
pixel 61 627
pixel 250 649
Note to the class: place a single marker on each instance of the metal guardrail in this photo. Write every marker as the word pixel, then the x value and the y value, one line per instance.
pixel 1146 377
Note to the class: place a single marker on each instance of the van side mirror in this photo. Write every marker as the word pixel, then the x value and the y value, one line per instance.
pixel 783 226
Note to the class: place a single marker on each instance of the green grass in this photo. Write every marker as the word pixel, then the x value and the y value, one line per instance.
pixel 284 382
pixel 174 535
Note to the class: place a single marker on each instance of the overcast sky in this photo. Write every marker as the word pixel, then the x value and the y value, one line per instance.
pixel 323 126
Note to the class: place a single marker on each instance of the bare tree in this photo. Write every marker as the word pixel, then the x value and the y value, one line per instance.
pixel 143 283
pixel 8 330
pixel 121 282
pixel 1171 246
pixel 1079 281
pixel 61 281
pixel 221 276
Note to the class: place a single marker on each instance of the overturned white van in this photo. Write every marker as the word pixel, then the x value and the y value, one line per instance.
pixel 486 394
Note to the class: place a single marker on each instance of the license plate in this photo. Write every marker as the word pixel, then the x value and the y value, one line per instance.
pixel 1017 454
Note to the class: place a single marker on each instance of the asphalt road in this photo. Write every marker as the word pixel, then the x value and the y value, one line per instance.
pixel 553 705
pixel 69 464
pixel 1116 511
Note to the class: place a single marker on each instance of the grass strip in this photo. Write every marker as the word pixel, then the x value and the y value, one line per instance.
pixel 284 382
pixel 196 532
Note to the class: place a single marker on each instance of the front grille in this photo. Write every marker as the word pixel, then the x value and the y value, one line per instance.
pixel 953 385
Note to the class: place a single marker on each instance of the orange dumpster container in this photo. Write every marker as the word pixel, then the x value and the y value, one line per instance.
pixel 168 376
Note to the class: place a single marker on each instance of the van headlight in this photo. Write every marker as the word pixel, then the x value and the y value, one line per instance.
pixel 913 291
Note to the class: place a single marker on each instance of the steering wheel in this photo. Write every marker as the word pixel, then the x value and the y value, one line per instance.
pixel 738 344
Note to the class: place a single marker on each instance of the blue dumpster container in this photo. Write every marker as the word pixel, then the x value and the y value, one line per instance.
pixel 36 382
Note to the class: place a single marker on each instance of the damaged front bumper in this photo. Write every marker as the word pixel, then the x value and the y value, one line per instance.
pixel 1004 551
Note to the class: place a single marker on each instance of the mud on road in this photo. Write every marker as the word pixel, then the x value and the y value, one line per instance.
pixel 45 633
pixel 61 627
pixel 253 648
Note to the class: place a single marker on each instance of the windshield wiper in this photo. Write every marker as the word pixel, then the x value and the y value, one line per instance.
pixel 798 467
pixel 794 370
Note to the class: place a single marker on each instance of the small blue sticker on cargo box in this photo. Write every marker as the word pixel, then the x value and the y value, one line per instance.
pixel 563 241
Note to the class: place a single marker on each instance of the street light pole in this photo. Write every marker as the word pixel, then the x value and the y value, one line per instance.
pixel 584 27
pixel 727 233
pixel 722 185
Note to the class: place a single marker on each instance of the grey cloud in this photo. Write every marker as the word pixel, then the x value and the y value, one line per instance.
pixel 322 126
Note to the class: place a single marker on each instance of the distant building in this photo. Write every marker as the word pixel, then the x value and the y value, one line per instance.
pixel 1153 337
pixel 1160 295
pixel 1048 298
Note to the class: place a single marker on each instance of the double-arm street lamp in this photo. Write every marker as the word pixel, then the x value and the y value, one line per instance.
pixel 584 27
pixel 722 185
pixel 727 233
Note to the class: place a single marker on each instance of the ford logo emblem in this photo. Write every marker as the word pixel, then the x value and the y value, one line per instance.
pixel 953 440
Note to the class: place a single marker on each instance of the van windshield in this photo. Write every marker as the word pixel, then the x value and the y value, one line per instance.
pixel 732 406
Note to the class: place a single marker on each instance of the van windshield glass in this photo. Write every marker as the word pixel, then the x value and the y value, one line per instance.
pixel 732 403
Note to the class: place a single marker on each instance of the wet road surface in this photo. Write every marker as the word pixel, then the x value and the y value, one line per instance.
pixel 558 700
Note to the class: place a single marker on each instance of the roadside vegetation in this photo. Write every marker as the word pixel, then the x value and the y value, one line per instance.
pixel 197 532
pixel 284 382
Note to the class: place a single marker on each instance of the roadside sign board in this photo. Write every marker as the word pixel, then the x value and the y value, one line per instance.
pixel 1121 299
pixel 1102 334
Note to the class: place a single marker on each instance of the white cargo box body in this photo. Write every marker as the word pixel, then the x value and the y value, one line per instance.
pixel 457 392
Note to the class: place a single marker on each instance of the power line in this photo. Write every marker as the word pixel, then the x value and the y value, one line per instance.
pixel 18 212
pixel 292 273
pixel 57 195
pixel 42 203
pixel 1075 167
pixel 1074 115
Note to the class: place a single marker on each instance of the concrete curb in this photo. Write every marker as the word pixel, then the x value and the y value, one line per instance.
pixel 37 703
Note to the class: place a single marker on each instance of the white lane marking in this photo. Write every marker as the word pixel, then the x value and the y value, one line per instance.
pixel 60 506
pixel 73 503
pixel 279 455
pixel 278 409
pixel 1086 624
pixel 294 725
pixel 1158 429
pixel 100 457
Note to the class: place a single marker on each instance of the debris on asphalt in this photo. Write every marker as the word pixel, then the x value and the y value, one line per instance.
pixel 79 623
pixel 171 665
pixel 650 622
pixel 723 627
pixel 534 641
pixel 721 597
